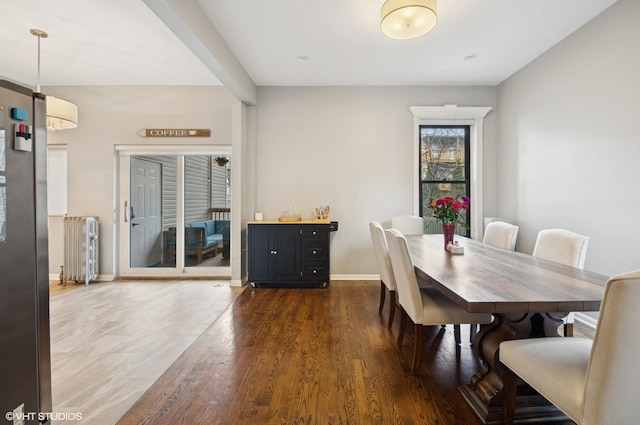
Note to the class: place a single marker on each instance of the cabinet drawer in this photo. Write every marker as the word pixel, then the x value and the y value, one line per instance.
pixel 315 271
pixel 313 231
pixel 314 250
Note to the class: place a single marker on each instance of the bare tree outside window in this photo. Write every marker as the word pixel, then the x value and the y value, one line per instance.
pixel 444 169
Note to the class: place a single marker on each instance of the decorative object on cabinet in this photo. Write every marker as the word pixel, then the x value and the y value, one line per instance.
pixel 291 219
pixel 321 213
pixel 290 214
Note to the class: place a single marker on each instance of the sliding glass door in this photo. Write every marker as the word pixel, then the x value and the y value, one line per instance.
pixel 176 215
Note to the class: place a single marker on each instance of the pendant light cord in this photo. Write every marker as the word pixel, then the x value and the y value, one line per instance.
pixel 40 34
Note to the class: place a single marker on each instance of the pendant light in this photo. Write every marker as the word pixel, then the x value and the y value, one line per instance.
pixel 61 114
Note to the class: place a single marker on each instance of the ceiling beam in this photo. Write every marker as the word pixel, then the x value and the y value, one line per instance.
pixel 192 26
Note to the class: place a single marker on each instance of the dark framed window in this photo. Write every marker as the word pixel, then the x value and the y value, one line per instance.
pixel 444 169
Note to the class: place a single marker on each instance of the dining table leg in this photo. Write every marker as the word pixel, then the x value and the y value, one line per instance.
pixel 484 393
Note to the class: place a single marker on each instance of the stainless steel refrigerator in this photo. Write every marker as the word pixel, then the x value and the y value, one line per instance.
pixel 25 364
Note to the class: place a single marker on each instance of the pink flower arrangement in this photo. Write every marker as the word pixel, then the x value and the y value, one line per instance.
pixel 450 210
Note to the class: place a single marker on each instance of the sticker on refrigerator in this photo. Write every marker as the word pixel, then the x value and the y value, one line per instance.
pixel 2 150
pixel 22 137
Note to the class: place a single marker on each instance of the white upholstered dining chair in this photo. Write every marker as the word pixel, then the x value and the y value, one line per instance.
pixel 408 224
pixel 387 280
pixel 424 306
pixel 501 234
pixel 593 382
pixel 564 247
pixel 561 246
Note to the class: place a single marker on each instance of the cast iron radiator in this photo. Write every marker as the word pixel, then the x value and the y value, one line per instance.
pixel 80 249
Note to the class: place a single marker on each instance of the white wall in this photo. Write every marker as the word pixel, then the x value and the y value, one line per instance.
pixel 110 116
pixel 57 205
pixel 351 148
pixel 569 141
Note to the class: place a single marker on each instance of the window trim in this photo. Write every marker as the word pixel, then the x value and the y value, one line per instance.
pixel 454 115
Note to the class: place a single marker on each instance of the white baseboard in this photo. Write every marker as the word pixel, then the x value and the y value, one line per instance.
pixel 238 283
pixel 354 277
pixel 101 277
pixel 110 277
pixel 106 278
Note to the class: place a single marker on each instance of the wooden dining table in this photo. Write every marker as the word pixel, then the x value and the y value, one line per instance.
pixel 526 295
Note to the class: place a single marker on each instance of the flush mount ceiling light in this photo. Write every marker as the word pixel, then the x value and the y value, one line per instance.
pixel 406 19
pixel 61 114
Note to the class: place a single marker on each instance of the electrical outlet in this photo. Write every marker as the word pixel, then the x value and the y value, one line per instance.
pixel 18 415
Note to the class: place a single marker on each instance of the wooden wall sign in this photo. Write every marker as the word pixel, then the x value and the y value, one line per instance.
pixel 174 132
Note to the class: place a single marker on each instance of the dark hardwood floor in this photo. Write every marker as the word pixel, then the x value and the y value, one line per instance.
pixel 310 356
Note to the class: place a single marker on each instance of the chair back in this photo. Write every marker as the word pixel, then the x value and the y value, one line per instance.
pixel 612 385
pixel 561 246
pixel 382 255
pixel 407 284
pixel 501 235
pixel 408 224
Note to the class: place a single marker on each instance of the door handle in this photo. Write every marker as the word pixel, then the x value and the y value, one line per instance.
pixel 128 210
pixel 135 224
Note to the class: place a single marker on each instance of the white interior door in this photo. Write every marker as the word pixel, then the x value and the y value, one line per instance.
pixel 146 213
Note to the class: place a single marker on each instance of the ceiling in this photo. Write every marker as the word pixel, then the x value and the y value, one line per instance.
pixel 283 42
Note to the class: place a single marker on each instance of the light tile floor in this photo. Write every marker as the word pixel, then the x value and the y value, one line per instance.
pixel 110 341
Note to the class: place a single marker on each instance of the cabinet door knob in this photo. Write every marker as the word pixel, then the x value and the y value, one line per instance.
pixel 315 233
pixel 315 271
pixel 315 252
pixel 274 252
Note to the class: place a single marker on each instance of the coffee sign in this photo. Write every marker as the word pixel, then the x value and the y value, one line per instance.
pixel 174 132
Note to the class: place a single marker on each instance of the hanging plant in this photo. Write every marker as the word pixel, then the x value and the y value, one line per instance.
pixel 221 160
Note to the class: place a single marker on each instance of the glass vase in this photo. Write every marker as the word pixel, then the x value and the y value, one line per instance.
pixel 448 231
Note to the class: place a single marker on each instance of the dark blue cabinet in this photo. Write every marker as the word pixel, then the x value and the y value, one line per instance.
pixel 289 254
